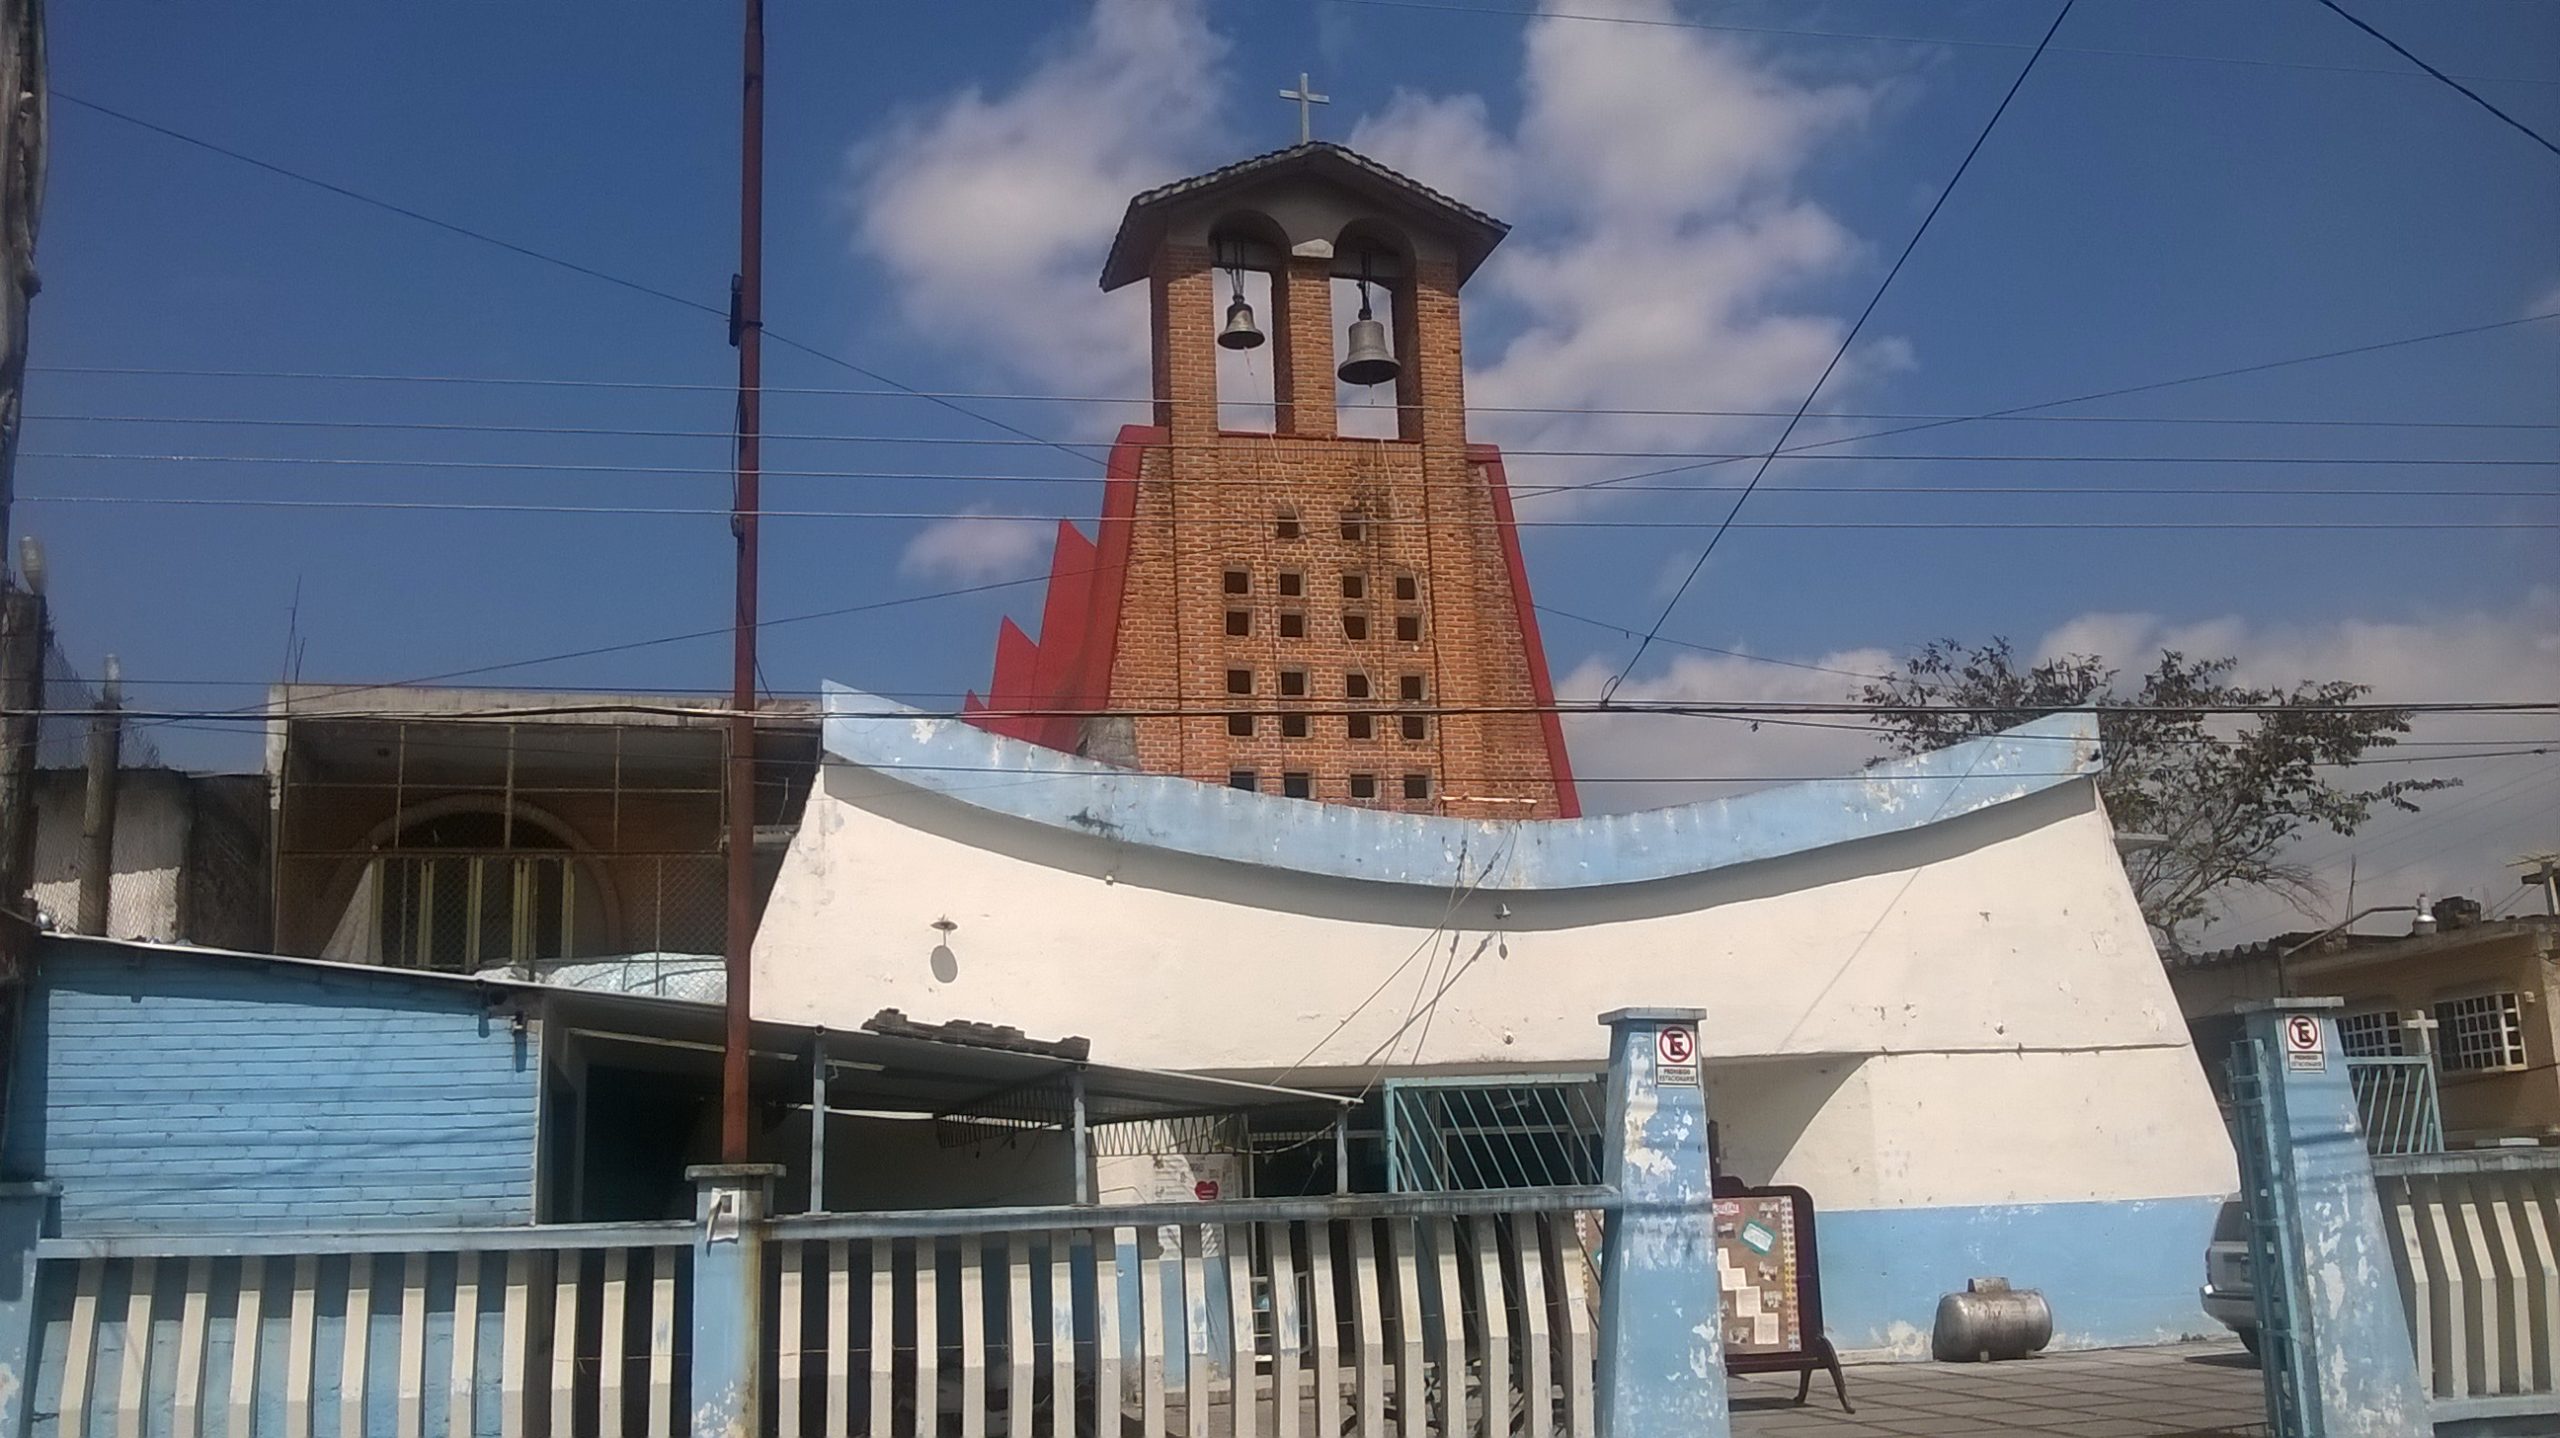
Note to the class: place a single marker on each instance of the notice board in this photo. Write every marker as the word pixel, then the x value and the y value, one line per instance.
pixel 1756 1268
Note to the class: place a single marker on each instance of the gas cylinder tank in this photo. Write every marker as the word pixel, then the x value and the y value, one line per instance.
pixel 1990 1320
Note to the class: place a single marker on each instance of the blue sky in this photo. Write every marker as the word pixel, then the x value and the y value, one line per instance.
pixel 1698 213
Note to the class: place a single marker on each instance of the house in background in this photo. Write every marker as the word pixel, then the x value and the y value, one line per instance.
pixel 575 837
pixel 2478 995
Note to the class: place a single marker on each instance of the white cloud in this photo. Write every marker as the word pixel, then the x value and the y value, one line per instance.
pixel 2461 839
pixel 2459 842
pixel 991 211
pixel 2545 303
pixel 1649 171
pixel 976 545
pixel 1652 172
pixel 1639 761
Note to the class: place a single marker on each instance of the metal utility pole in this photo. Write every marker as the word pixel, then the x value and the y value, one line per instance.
pixel 2542 871
pixel 746 331
pixel 98 812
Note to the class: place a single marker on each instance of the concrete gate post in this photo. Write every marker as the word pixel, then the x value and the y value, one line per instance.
pixel 1661 1311
pixel 730 1202
pixel 2334 1335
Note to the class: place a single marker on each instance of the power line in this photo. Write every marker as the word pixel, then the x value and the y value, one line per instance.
pixel 1675 23
pixel 1840 353
pixel 544 257
pixel 971 516
pixel 2474 96
pixel 131 371
pixel 1324 708
pixel 2116 393
pixel 1419 484
pixel 1220 445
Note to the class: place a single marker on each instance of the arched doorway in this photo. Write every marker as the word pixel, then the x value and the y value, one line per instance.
pixel 459 886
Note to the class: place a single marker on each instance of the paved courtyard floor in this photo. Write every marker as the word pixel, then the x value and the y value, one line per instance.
pixel 2181 1391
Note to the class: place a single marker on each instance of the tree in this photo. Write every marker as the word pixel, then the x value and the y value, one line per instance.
pixel 2222 794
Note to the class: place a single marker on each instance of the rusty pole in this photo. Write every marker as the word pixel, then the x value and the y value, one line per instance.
pixel 746 320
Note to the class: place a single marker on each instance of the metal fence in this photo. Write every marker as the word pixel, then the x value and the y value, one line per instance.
pixel 2396 1104
pixel 433 1336
pixel 1534 1131
pixel 1362 1317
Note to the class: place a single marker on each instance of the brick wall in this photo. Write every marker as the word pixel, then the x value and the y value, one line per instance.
pixel 172 1092
pixel 1209 503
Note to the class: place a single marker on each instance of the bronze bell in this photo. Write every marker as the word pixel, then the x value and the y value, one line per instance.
pixel 1240 333
pixel 1368 360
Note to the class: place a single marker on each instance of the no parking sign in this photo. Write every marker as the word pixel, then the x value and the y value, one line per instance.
pixel 1675 1052
pixel 2306 1044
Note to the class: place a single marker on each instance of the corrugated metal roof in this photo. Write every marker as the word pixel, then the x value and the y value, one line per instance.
pixel 899 1072
pixel 1142 228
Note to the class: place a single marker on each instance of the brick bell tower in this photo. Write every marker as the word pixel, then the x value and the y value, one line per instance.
pixel 1295 611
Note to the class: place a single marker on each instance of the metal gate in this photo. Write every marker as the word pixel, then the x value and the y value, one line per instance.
pixel 1520 1131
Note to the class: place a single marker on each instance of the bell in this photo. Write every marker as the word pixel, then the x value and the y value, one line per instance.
pixel 1368 361
pixel 1240 333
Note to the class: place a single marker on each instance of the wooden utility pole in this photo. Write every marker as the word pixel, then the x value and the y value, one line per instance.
pixel 98 810
pixel 746 331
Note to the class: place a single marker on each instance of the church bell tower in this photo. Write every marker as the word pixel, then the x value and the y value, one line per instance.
pixel 1294 610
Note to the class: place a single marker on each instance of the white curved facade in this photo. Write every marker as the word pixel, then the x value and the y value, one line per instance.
pixel 1934 1002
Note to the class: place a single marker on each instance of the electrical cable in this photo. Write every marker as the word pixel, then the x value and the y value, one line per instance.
pixel 1408 486
pixel 1329 708
pixel 771 391
pixel 544 257
pixel 1944 193
pixel 1221 445
pixel 967 516
pixel 1952 42
pixel 2333 7
pixel 2260 367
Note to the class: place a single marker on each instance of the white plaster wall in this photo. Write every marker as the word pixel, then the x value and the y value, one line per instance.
pixel 150 851
pixel 1969 1013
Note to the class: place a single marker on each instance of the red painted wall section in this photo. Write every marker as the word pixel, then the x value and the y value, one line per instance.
pixel 1053 673
pixel 1068 669
pixel 1532 646
pixel 1016 659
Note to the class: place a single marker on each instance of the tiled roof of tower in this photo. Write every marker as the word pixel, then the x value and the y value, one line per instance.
pixel 1474 232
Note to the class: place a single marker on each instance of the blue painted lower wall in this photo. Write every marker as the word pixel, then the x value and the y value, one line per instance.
pixel 172 1090
pixel 2120 1272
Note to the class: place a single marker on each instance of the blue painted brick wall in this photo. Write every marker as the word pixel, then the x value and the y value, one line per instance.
pixel 167 1090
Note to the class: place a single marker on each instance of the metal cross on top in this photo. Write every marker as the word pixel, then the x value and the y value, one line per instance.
pixel 1307 99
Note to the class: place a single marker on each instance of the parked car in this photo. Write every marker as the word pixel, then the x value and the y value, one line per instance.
pixel 2228 1299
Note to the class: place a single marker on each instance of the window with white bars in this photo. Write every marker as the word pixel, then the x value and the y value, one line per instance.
pixel 2481 1033
pixel 2374 1035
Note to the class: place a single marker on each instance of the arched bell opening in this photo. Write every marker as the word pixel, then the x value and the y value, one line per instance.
pixel 1247 253
pixel 1372 278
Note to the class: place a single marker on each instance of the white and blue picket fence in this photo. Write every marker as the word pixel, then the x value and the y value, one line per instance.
pixel 1353 1315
